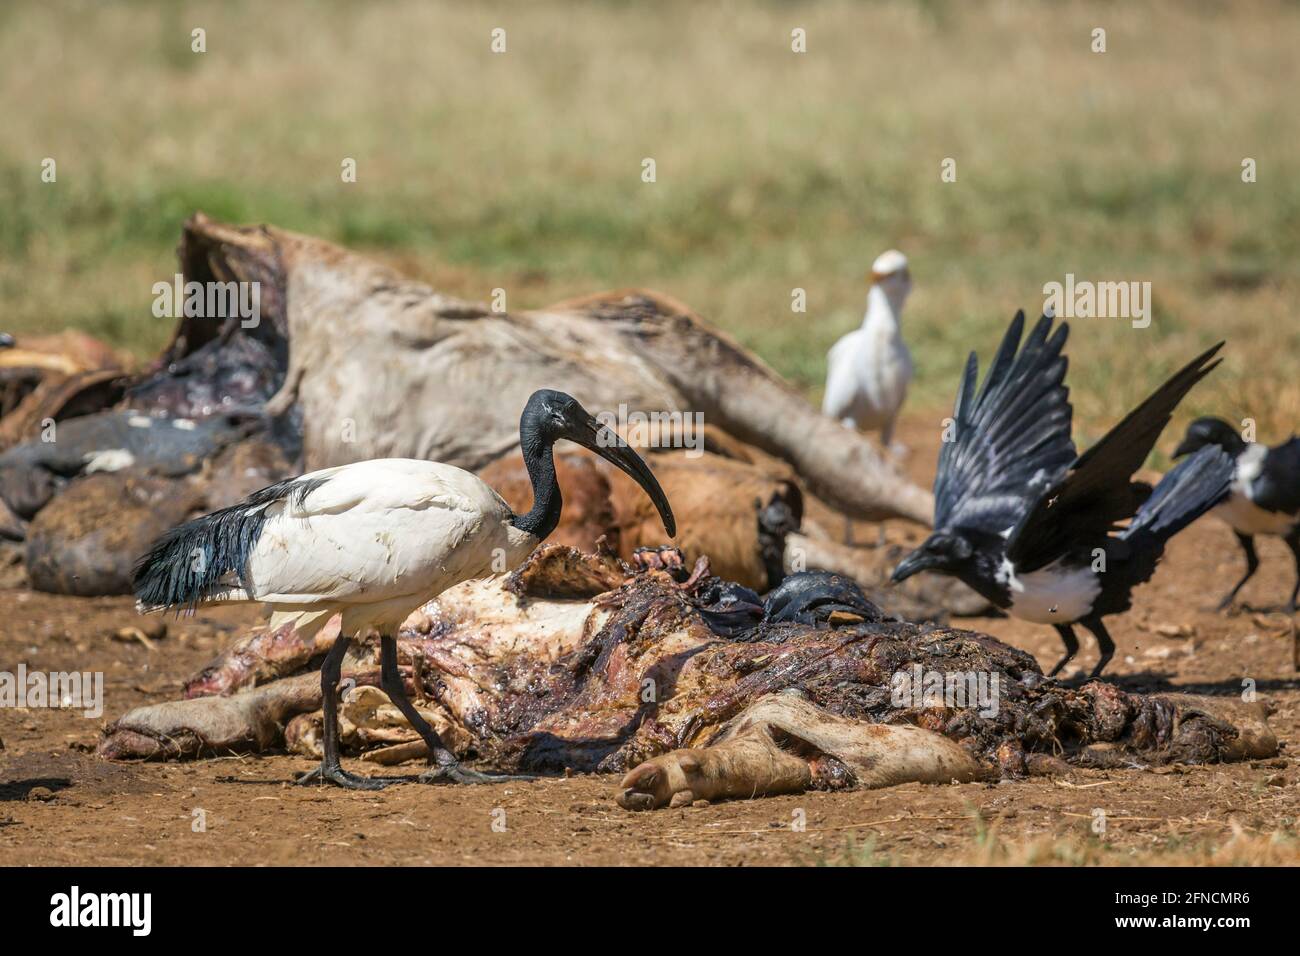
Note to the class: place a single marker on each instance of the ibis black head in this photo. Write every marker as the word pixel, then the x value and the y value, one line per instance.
pixel 551 415
pixel 1210 431
pixel 944 551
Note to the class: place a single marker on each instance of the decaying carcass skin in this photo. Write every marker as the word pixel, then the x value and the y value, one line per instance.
pixel 695 688
pixel 349 360
pixel 243 723
pixel 368 346
pixel 47 378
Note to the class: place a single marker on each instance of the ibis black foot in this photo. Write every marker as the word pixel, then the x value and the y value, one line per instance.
pixel 455 773
pixel 339 777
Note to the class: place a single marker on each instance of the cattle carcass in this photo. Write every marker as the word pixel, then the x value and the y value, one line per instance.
pixel 348 360
pixel 692 687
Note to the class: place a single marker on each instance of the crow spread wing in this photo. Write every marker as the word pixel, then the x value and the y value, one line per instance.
pixel 1012 439
pixel 1097 491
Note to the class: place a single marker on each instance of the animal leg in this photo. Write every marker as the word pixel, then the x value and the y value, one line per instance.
pixel 1071 646
pixel 897 450
pixel 1252 565
pixel 784 744
pixel 443 765
pixel 1104 644
pixel 750 765
pixel 330 769
pixel 1293 542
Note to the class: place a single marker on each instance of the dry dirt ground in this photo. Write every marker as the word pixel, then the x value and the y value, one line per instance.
pixel 61 805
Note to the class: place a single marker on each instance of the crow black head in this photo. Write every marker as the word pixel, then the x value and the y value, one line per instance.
pixel 1210 431
pixel 944 551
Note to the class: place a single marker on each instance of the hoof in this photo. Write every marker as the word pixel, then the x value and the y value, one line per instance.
pixel 662 782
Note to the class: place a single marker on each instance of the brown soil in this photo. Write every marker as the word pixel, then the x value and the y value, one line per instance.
pixel 61 805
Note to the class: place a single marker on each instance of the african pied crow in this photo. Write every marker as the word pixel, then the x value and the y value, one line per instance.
pixel 1034 527
pixel 1265 493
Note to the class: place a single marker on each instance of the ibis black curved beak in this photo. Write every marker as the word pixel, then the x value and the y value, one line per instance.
pixel 914 563
pixel 607 443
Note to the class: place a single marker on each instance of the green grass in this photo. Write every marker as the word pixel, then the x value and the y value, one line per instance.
pixel 775 170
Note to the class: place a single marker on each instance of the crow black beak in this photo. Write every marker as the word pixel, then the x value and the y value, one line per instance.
pixel 909 566
pixel 1184 448
pixel 606 443
pixel 914 563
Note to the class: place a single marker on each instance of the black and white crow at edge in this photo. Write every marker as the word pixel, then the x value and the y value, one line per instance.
pixel 1265 495
pixel 1034 527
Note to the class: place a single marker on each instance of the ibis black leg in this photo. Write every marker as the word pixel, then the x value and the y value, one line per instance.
pixel 330 769
pixel 1071 647
pixel 1252 565
pixel 443 765
pixel 1104 644
pixel 1293 542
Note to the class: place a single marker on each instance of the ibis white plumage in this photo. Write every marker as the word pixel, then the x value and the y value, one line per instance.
pixel 869 369
pixel 372 541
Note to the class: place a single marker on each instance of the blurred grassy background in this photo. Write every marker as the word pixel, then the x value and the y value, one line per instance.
pixel 775 170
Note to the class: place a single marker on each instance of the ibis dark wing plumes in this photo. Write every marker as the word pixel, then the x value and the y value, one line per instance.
pixel 200 559
pixel 1098 492
pixel 1011 441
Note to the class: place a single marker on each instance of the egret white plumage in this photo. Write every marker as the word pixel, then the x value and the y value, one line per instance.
pixel 373 541
pixel 869 369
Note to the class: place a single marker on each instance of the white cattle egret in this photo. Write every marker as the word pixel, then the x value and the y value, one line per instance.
pixel 869 369
pixel 373 541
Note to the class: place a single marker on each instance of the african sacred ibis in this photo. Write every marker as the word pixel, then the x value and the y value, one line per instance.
pixel 373 541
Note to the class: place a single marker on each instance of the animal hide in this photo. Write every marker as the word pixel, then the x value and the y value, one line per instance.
pixel 692 687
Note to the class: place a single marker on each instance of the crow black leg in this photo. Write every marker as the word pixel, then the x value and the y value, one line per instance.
pixel 1293 542
pixel 443 765
pixel 1104 644
pixel 1252 565
pixel 330 770
pixel 1071 646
